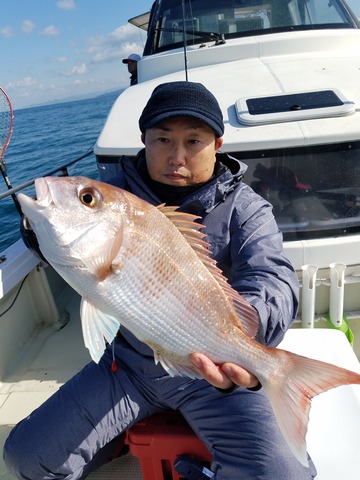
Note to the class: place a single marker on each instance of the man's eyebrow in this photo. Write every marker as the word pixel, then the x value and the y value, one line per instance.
pixel 195 126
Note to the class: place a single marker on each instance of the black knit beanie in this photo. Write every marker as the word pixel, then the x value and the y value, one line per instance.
pixel 175 99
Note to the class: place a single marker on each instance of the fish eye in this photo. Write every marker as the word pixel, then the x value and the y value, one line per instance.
pixel 89 197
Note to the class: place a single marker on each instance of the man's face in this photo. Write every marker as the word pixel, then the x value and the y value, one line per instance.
pixel 132 66
pixel 181 151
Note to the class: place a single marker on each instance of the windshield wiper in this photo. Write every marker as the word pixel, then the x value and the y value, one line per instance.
pixel 218 37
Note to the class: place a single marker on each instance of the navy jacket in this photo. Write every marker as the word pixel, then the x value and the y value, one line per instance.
pixel 244 239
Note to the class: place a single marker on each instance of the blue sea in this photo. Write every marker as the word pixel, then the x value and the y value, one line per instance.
pixel 44 138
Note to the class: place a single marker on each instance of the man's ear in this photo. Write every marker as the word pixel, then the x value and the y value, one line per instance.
pixel 218 143
pixel 143 138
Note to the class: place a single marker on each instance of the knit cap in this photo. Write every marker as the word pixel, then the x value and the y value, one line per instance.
pixel 186 99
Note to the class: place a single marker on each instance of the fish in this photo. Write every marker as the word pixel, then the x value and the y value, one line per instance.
pixel 149 269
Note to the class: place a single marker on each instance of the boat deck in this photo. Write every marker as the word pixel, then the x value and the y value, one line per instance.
pixel 126 468
pixel 50 359
pixel 52 356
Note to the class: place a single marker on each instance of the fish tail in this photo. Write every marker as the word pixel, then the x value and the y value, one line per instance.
pixel 290 393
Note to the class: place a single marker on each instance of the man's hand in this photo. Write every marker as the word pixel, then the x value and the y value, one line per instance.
pixel 224 376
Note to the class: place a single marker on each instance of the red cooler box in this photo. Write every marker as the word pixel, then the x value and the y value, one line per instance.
pixel 159 440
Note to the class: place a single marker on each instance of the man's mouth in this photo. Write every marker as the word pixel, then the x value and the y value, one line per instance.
pixel 175 176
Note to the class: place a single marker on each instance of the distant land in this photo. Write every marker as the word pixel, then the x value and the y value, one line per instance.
pixel 74 98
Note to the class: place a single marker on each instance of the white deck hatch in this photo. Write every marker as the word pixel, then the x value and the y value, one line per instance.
pixel 292 107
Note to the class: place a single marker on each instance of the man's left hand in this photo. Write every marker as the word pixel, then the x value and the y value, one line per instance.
pixel 222 376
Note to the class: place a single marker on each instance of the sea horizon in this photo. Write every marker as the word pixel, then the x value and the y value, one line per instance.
pixel 45 137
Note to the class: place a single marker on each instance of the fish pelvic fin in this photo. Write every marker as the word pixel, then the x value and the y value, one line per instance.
pixel 175 369
pixel 96 327
pixel 172 367
pixel 247 316
pixel 290 393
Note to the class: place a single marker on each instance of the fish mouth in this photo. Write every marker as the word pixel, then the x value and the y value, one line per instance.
pixel 31 207
pixel 43 193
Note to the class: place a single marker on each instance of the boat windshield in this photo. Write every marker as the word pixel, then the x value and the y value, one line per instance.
pixel 205 20
pixel 314 191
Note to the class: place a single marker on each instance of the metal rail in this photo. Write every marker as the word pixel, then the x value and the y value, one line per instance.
pixel 62 168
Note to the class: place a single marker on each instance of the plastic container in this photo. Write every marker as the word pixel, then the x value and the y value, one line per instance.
pixel 159 440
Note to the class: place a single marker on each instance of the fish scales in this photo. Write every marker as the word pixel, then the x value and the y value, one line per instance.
pixel 165 268
pixel 185 327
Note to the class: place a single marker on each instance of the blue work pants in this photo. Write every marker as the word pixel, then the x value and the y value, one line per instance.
pixel 73 432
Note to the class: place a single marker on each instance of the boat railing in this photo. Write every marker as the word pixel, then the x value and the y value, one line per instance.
pixel 63 170
pixel 17 262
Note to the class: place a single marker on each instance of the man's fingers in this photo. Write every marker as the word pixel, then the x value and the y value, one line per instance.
pixel 239 375
pixel 224 376
pixel 209 371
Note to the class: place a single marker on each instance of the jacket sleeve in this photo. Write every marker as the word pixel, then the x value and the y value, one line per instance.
pixel 259 269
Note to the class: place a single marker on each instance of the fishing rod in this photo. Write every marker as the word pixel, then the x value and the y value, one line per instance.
pixel 62 169
pixel 6 128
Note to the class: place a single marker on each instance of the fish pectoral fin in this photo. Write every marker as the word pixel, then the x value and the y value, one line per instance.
pixel 303 379
pixel 100 264
pixel 175 369
pixel 97 327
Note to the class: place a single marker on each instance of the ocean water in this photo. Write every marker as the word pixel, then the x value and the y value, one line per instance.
pixel 47 137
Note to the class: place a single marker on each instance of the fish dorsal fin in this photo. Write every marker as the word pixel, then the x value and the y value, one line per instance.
pixel 191 231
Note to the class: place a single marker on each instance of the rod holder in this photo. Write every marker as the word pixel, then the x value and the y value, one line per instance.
pixel 337 281
pixel 308 295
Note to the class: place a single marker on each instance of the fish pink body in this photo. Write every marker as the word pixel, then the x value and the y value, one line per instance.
pixel 149 269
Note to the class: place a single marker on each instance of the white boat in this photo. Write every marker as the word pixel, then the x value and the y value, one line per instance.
pixel 287 75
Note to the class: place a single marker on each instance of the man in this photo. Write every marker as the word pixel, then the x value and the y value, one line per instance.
pixel 131 62
pixel 71 433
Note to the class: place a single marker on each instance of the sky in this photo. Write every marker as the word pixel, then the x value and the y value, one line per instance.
pixel 56 49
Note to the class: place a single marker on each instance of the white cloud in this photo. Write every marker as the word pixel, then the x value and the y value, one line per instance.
pixel 117 44
pixel 50 31
pixel 77 70
pixel 123 33
pixel 26 82
pixel 93 70
pixel 6 32
pixel 30 82
pixel 105 56
pixel 81 69
pixel 48 87
pixel 25 95
pixel 66 4
pixel 27 26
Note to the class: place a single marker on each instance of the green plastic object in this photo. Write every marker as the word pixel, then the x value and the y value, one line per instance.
pixel 344 327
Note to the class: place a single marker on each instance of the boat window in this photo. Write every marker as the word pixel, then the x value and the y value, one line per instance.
pixel 315 191
pixel 202 21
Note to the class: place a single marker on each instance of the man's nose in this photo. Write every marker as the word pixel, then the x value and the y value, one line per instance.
pixel 177 155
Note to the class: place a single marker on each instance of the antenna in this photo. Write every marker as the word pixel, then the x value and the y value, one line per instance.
pixel 184 39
